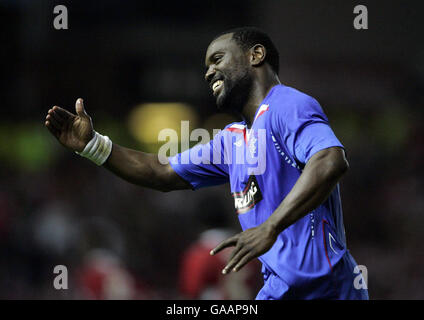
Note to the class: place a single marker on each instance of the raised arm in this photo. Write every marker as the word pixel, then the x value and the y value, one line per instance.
pixel 75 131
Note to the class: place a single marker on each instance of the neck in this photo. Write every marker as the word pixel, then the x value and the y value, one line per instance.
pixel 260 88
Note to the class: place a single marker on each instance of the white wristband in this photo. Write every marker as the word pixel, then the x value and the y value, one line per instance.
pixel 97 149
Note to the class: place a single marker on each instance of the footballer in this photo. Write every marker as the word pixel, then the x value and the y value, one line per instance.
pixel 286 190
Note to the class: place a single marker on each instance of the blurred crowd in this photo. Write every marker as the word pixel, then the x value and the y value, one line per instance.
pixel 121 241
pixel 116 240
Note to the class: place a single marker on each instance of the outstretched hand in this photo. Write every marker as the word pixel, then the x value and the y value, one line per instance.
pixel 249 244
pixel 72 131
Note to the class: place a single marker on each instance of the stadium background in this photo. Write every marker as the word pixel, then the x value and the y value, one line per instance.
pixel 121 241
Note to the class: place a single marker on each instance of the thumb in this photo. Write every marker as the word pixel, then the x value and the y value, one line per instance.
pixel 79 108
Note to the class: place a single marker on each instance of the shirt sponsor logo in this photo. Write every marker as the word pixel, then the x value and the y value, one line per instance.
pixel 249 197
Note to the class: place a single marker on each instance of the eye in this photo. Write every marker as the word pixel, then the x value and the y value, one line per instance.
pixel 218 59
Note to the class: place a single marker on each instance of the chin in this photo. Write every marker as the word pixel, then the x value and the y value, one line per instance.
pixel 234 94
pixel 222 101
pixel 222 106
pixel 219 103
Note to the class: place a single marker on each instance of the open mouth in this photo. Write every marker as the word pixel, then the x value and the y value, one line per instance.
pixel 217 86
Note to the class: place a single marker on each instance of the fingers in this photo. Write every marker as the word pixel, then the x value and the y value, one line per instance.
pixel 246 258
pixel 241 254
pixel 64 114
pixel 51 128
pixel 236 250
pixel 79 108
pixel 238 258
pixel 55 119
pixel 225 244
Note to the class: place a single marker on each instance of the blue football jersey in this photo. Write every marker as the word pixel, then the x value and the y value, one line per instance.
pixel 262 163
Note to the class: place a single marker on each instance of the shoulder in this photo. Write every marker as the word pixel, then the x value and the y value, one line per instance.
pixel 286 100
pixel 292 109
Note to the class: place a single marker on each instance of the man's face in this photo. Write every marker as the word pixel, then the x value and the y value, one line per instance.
pixel 228 73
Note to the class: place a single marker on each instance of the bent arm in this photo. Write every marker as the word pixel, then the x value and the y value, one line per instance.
pixel 144 169
pixel 320 175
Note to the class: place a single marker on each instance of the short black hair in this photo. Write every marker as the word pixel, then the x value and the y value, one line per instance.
pixel 247 37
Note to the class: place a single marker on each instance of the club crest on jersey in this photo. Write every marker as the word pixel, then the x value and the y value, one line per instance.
pixel 249 197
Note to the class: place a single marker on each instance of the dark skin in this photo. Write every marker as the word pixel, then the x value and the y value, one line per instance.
pixel 226 61
pixel 225 57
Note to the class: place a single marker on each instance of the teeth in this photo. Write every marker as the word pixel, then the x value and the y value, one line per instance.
pixel 217 84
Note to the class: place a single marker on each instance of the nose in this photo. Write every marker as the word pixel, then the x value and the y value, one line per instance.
pixel 209 74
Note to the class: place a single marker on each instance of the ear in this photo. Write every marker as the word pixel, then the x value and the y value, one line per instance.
pixel 257 55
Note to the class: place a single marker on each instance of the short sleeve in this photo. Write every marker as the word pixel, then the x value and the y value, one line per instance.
pixel 301 125
pixel 203 165
pixel 313 138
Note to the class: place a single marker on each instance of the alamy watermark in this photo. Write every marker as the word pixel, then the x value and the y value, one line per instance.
pixel 60 282
pixel 361 278
pixel 361 20
pixel 239 145
pixel 61 20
